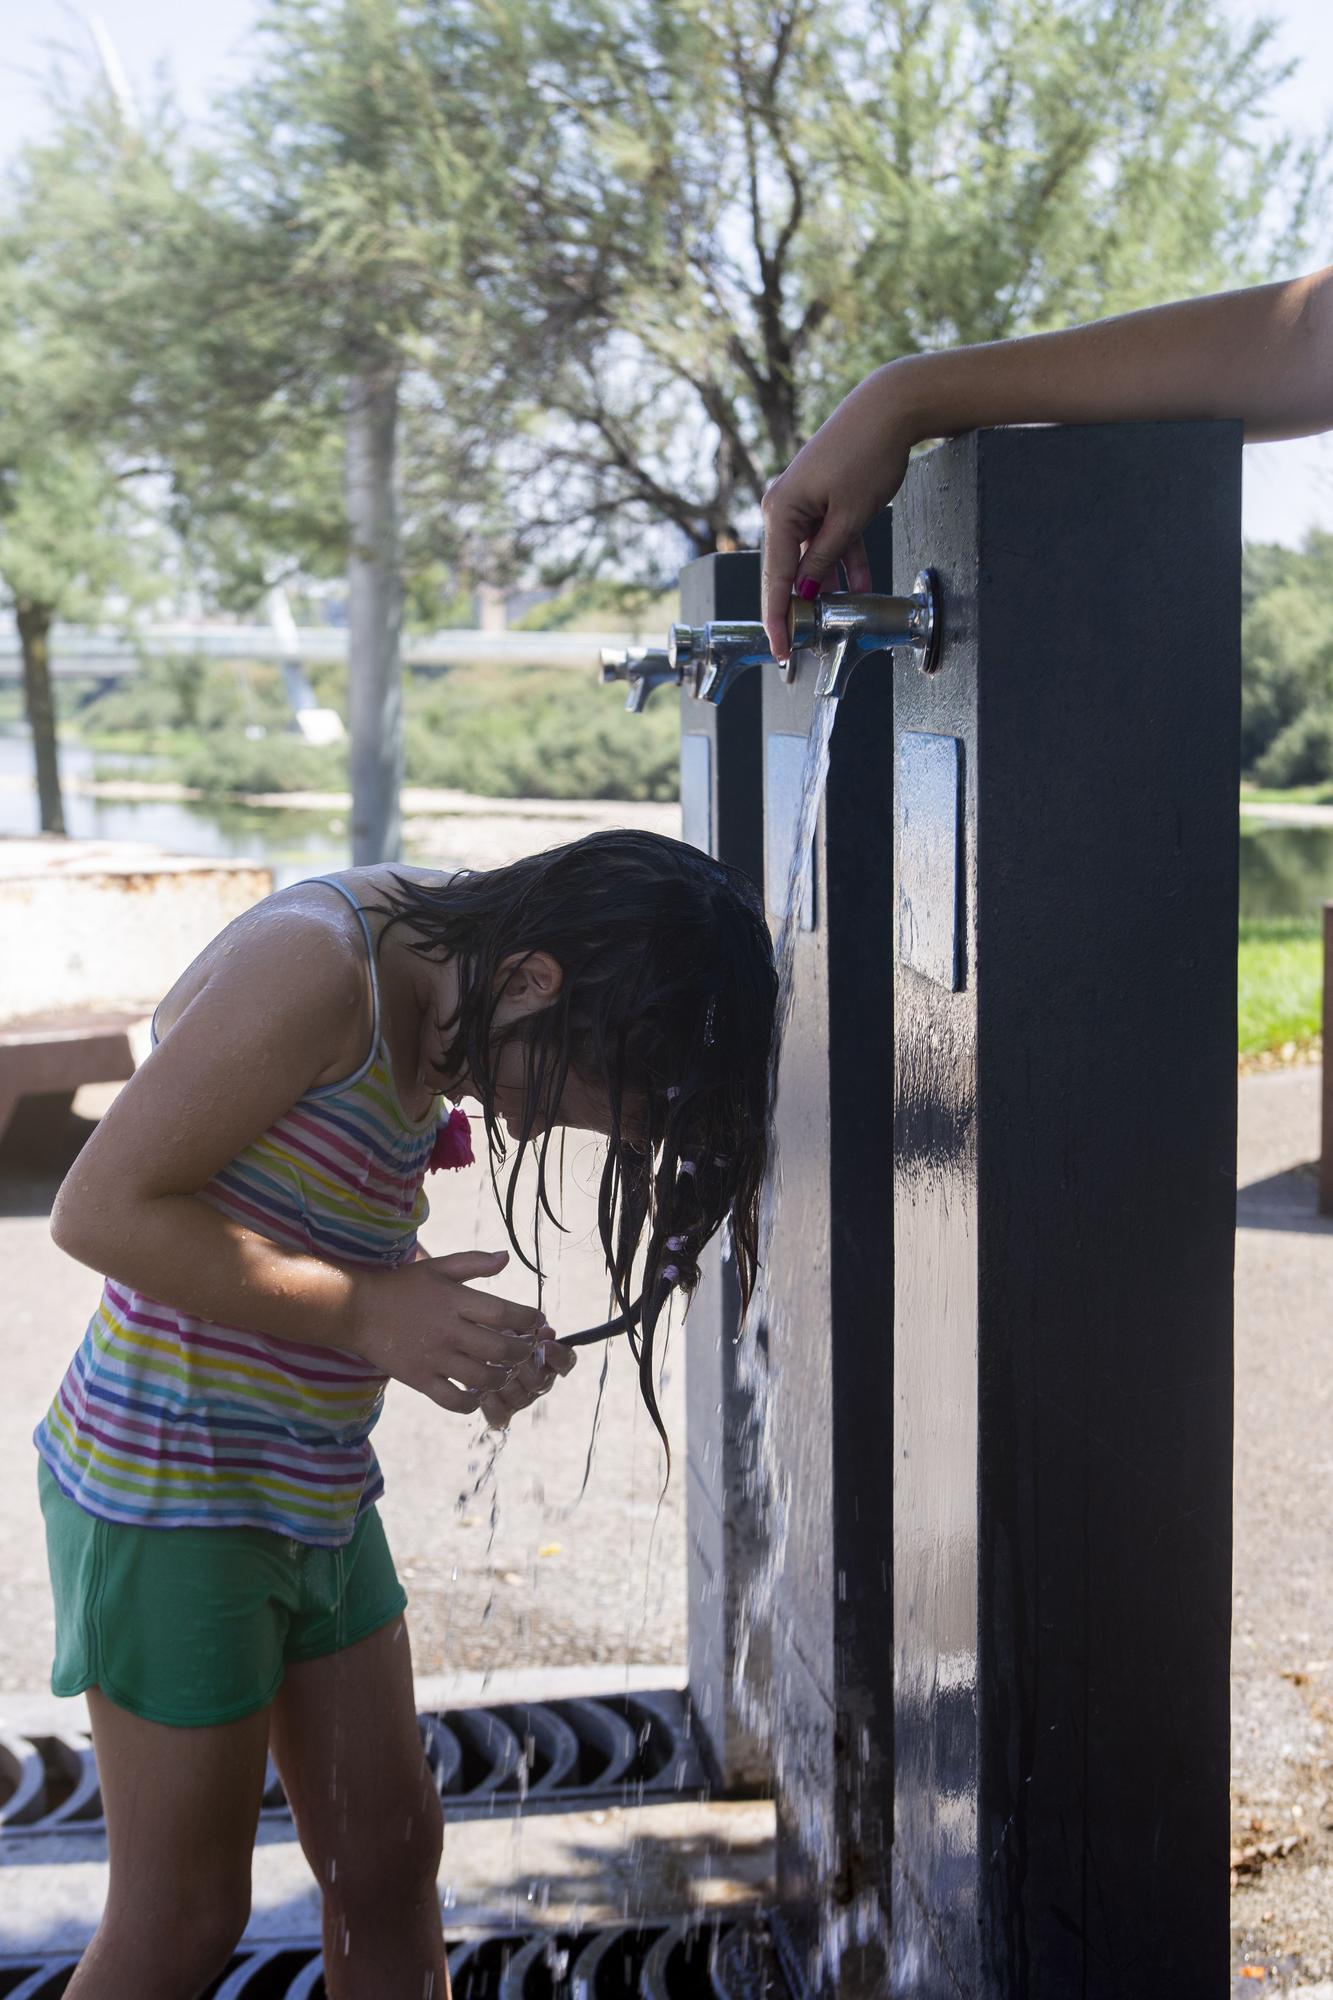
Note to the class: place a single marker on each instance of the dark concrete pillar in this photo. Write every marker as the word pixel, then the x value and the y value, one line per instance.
pixel 722 812
pixel 830 1337
pixel 1064 1142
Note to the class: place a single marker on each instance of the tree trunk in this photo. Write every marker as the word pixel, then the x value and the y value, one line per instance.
pixel 375 612
pixel 34 623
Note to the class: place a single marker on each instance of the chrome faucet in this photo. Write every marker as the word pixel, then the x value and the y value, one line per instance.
pixel 714 656
pixel 644 669
pixel 838 630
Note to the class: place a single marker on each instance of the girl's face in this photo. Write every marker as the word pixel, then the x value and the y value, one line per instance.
pixel 532 984
pixel 583 1107
pixel 529 985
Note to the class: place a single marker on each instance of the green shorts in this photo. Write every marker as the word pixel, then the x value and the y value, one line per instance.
pixel 194 1626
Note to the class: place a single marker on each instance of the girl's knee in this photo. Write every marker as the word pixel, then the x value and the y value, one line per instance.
pixel 393 1867
pixel 185 1944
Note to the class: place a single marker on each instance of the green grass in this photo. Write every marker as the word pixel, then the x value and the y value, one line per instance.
pixel 1281 981
pixel 1294 795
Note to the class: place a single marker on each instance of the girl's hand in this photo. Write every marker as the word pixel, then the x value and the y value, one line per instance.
pixel 816 511
pixel 424 1326
pixel 535 1378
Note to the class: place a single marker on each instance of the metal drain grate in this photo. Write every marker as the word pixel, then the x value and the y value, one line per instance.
pixel 530 1756
pixel 676 1961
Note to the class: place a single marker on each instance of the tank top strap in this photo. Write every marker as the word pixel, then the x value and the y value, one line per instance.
pixel 332 882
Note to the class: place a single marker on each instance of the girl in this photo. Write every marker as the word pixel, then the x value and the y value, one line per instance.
pixel 1264 356
pixel 221 1578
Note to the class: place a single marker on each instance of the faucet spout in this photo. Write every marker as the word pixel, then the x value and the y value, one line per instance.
pixel 837 630
pixel 643 669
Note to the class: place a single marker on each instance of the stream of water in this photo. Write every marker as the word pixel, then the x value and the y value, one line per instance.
pixel 810 1807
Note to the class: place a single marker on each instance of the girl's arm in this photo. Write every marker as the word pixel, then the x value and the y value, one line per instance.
pixel 1263 356
pixel 277 1010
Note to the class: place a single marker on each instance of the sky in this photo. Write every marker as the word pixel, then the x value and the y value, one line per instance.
pixel 1288 487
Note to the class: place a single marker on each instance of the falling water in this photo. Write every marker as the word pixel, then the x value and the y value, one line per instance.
pixel 810 1807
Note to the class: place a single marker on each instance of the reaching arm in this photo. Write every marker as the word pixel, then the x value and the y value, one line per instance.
pixel 1263 356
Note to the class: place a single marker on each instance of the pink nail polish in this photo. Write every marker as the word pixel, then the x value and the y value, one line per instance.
pixel 807 588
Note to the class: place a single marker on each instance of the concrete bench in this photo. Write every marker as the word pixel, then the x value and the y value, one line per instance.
pixel 44 1058
pixel 92 932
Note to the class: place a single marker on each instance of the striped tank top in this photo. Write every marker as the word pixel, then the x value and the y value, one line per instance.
pixel 164 1420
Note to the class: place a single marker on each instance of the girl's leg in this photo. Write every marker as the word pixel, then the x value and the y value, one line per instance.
pixel 345 1740
pixel 181 1810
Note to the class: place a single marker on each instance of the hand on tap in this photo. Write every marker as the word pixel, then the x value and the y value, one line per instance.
pixel 815 512
pixel 1260 356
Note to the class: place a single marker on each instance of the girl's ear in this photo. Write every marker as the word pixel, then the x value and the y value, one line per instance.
pixel 529 980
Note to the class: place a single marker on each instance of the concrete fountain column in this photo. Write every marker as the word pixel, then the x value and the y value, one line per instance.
pixel 1064 1207
pixel 987 1609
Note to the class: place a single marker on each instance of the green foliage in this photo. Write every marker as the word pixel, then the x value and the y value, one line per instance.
pixel 1301 754
pixel 1287 662
pixel 539 733
pixel 506 732
pixel 594 606
pixel 229 761
pixel 170 694
pixel 619 270
pixel 712 266
pixel 1280 981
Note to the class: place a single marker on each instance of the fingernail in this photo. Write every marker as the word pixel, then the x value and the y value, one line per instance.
pixel 807 588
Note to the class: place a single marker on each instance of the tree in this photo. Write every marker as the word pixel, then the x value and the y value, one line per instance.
pixel 72 535
pixel 263 330
pixel 758 201
pixel 1287 662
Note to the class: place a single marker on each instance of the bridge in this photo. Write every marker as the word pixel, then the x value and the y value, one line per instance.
pixel 105 654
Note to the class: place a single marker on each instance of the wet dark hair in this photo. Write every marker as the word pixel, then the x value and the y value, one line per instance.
pixel 666 1005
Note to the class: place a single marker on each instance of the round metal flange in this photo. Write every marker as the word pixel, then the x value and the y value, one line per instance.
pixel 927 646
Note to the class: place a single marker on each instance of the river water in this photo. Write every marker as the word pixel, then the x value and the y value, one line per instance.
pixel 292 843
pixel 1285 871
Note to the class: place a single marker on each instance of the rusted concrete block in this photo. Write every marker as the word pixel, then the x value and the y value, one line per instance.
pixel 92 934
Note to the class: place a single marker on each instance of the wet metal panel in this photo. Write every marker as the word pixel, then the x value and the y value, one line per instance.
pixel 1064 1223
pixel 722 790
pixel 829 1344
pixel 928 769
pixel 784 769
pixel 696 790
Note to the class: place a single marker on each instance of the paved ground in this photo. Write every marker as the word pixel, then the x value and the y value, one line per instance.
pixel 507 1563
pixel 1282 1685
pixel 505 1559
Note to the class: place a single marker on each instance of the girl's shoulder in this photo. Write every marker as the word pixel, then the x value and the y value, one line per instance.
pixel 294 909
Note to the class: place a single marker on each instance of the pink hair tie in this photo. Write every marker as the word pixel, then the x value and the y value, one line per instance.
pixel 453 1142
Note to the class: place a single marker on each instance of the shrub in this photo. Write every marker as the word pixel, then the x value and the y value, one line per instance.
pixel 186 692
pixel 233 762
pixel 546 733
pixel 1301 753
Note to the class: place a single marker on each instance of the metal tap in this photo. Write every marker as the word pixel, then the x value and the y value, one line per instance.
pixel 642 668
pixel 839 630
pixel 714 656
